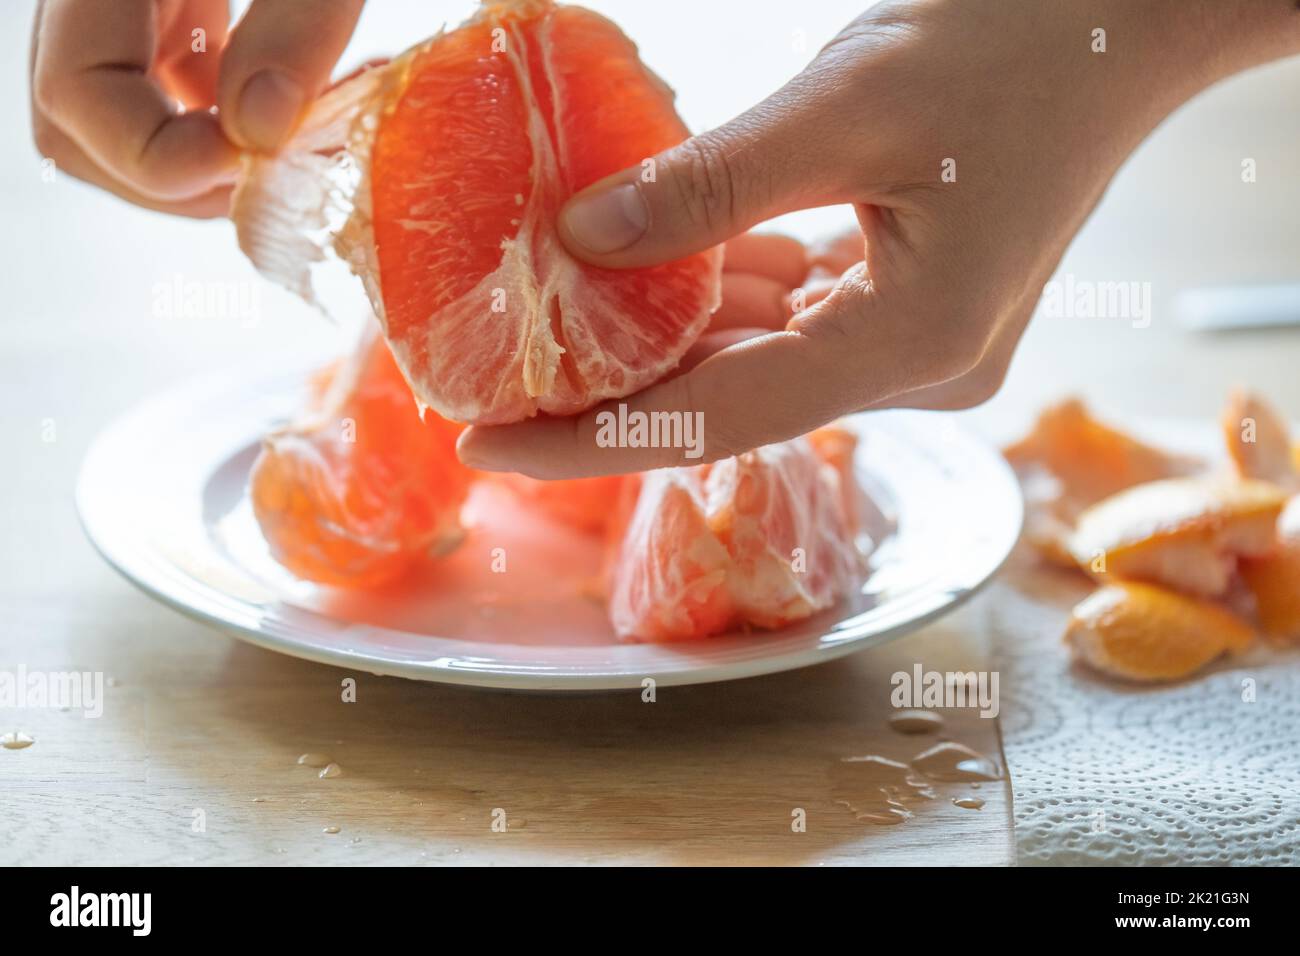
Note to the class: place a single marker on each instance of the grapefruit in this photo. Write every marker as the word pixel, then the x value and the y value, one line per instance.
pixel 466 148
pixel 360 487
pixel 764 539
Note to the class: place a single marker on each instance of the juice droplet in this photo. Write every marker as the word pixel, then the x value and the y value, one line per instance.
pixel 953 761
pixel 329 830
pixel 313 760
pixel 969 803
pixel 17 740
pixel 330 770
pixel 915 722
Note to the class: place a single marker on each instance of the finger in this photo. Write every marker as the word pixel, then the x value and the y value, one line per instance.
pixel 767 254
pixel 92 80
pixel 70 160
pixel 710 343
pixel 751 300
pixel 713 186
pixel 278 59
pixel 716 400
pixel 191 35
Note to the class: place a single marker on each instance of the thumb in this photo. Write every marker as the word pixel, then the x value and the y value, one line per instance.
pixel 696 195
pixel 277 60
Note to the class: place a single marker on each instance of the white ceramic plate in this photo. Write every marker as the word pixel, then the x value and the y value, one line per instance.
pixel 162 495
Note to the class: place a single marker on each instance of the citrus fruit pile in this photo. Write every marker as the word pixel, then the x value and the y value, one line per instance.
pixel 1192 562
pixel 450 164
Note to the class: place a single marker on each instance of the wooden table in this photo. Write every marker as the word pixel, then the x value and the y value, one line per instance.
pixel 196 721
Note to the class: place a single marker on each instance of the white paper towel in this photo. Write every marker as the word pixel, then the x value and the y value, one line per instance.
pixel 1206 771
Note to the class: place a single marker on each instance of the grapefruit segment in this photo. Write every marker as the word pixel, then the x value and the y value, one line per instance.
pixel 360 487
pixel 500 122
pixel 762 539
pixel 668 581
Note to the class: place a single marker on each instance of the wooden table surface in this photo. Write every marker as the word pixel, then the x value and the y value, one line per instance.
pixel 195 722
pixel 199 727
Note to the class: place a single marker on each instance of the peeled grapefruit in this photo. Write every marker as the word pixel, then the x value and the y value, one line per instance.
pixel 360 487
pixel 464 149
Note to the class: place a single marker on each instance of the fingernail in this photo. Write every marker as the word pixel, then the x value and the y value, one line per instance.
pixel 268 109
pixel 609 220
pixel 469 451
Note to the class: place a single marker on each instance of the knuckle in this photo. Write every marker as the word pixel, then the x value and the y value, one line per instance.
pixel 958 356
pixel 45 92
pixel 47 140
pixel 978 386
pixel 705 183
pixel 720 439
pixel 962 338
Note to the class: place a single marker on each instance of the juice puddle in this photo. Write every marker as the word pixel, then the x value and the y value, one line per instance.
pixel 878 790
pixel 882 791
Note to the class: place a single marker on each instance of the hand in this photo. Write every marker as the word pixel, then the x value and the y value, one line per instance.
pixel 126 95
pixel 973 140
